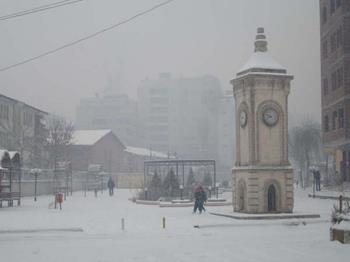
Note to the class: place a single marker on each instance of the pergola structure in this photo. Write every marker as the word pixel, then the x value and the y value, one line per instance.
pixel 10 177
pixel 178 166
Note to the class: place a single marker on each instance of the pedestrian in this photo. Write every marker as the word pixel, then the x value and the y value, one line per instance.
pixel 200 196
pixel 202 200
pixel 197 196
pixel 318 180
pixel 110 185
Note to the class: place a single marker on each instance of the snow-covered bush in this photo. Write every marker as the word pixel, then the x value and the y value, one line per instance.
pixel 337 216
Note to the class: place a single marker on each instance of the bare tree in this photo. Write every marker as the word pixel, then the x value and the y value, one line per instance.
pixel 60 134
pixel 305 148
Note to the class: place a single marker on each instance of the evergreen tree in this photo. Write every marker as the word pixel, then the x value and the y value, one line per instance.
pixel 155 187
pixel 170 184
pixel 207 180
pixel 190 179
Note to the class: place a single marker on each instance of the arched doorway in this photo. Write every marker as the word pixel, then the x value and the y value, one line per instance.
pixel 271 199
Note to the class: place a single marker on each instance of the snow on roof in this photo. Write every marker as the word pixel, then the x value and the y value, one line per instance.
pixel 13 153
pixel 261 60
pixel 2 153
pixel 88 137
pixel 144 152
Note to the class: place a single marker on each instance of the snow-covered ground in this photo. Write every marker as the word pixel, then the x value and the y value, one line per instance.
pixel 217 239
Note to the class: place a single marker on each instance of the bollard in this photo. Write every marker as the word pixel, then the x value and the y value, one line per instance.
pixel 123 224
pixel 340 204
pixel 163 222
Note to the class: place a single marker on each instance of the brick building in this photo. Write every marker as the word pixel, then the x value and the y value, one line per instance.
pixel 335 73
pixel 102 147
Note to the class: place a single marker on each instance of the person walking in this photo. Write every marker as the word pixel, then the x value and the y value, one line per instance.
pixel 200 196
pixel 202 200
pixel 110 185
pixel 318 180
pixel 197 197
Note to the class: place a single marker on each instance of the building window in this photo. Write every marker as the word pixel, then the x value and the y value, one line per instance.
pixel 4 112
pixel 333 42
pixel 334 80
pixel 338 3
pixel 324 15
pixel 340 78
pixel 339 40
pixel 325 49
pixel 28 119
pixel 325 86
pixel 326 124
pixel 341 118
pixel 334 120
pixel 332 6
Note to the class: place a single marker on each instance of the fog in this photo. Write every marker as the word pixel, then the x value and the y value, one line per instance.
pixel 187 38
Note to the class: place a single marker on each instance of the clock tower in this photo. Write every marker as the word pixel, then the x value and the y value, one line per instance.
pixel 262 175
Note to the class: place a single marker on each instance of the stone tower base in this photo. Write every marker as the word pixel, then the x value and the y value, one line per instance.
pixel 264 189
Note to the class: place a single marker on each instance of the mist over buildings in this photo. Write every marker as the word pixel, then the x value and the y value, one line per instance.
pixel 185 38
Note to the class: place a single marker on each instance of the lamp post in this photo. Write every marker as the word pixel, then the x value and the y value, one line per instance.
pixel 35 172
pixel 146 193
pixel 217 190
pixel 181 191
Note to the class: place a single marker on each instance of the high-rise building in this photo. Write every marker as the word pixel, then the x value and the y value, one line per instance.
pixel 116 112
pixel 335 73
pixel 181 115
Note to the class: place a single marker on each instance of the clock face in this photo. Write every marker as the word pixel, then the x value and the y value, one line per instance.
pixel 270 117
pixel 243 118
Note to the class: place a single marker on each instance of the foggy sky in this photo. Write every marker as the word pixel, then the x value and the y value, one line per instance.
pixel 187 38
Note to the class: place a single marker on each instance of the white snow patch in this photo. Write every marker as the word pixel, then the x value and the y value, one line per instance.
pixel 144 152
pixel 261 60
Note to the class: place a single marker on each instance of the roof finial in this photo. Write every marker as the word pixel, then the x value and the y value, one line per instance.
pixel 260 41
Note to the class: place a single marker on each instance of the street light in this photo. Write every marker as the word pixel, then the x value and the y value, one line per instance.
pixel 181 191
pixel 35 172
pixel 146 191
pixel 217 190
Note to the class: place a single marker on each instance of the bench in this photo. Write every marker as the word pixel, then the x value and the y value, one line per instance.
pixel 10 197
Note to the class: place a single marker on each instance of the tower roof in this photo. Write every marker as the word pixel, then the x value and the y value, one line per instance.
pixel 261 61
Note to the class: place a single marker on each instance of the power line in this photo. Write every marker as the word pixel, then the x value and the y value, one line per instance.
pixel 86 37
pixel 39 9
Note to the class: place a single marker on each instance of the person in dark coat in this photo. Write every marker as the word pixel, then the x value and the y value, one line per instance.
pixel 199 198
pixel 318 180
pixel 202 200
pixel 110 185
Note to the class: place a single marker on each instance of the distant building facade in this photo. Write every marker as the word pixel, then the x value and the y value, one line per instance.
pixel 22 129
pixel 117 112
pixel 181 115
pixel 335 83
pixel 226 131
